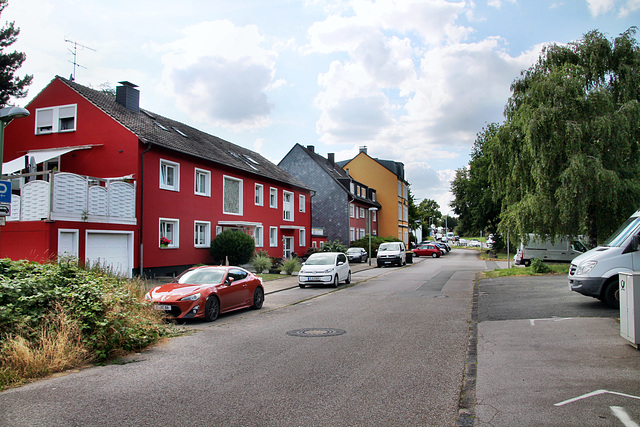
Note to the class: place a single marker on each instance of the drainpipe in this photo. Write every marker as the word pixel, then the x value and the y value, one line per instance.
pixel 142 210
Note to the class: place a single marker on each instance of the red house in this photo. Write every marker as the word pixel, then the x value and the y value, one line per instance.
pixel 95 176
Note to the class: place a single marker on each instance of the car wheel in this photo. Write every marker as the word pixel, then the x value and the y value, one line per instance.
pixel 335 281
pixel 258 298
pixel 301 285
pixel 212 309
pixel 379 265
pixel 611 293
pixel 435 255
pixel 348 280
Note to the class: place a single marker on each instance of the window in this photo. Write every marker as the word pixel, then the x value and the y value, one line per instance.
pixel 273 198
pixel 303 237
pixel 169 175
pixel 202 234
pixel 361 212
pixel 203 182
pixel 168 233
pixel 362 233
pixel 352 187
pixel 56 119
pixel 352 234
pixel 352 212
pixel 301 201
pixel 273 237
pixel 373 196
pixel 259 198
pixel 374 215
pixel 287 206
pixel 259 236
pixel 232 198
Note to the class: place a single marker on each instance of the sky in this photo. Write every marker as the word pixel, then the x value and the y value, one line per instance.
pixel 412 80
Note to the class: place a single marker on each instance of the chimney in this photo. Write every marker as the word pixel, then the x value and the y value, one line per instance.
pixel 363 149
pixel 331 157
pixel 311 148
pixel 128 96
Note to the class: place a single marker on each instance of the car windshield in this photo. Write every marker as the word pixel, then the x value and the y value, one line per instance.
pixel 202 276
pixel 623 232
pixel 353 250
pixel 391 247
pixel 321 259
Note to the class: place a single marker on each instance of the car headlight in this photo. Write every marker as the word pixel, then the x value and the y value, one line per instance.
pixel 328 270
pixel 193 297
pixel 585 267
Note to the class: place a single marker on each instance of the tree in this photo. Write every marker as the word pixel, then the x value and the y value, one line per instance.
pixel 10 85
pixel 567 158
pixel 232 245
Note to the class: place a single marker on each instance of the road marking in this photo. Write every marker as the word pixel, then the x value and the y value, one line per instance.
pixel 554 319
pixel 595 393
pixel 623 416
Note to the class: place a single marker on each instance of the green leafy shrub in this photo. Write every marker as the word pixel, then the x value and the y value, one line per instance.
pixel 539 267
pixel 290 264
pixel 233 245
pixel 334 246
pixel 261 262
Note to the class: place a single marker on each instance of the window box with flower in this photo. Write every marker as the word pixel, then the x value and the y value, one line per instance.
pixel 164 242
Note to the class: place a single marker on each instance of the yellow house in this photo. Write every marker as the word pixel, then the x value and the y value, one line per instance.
pixel 387 177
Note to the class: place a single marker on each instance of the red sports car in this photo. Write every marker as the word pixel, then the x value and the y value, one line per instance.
pixel 427 250
pixel 206 291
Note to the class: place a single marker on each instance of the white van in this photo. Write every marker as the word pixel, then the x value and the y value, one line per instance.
pixel 595 273
pixel 562 250
pixel 391 253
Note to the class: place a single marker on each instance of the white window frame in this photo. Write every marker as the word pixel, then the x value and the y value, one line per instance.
pixel 374 216
pixel 225 178
pixel 362 233
pixel 302 201
pixel 352 234
pixel 57 113
pixel 207 182
pixel 168 164
pixel 259 236
pixel 303 237
pixel 352 211
pixel 259 195
pixel 175 223
pixel 362 214
pixel 273 237
pixel 287 205
pixel 206 242
pixel 273 198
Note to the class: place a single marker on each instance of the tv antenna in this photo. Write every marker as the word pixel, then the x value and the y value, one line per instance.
pixel 74 52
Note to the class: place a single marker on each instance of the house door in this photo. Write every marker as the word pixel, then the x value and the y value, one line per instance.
pixel 288 247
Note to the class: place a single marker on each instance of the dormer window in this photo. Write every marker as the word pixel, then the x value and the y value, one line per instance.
pixel 56 119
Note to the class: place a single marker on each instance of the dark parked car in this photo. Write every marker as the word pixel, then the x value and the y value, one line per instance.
pixel 357 255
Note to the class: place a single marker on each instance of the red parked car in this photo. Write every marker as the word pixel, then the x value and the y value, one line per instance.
pixel 427 250
pixel 206 291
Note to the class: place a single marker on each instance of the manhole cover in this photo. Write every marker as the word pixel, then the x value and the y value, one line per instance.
pixel 316 332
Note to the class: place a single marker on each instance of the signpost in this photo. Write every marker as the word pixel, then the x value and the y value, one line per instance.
pixel 5 191
pixel 5 209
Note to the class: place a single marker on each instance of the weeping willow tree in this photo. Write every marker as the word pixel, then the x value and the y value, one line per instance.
pixel 567 158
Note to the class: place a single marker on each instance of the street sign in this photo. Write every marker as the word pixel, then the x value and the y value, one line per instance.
pixel 5 191
pixel 5 209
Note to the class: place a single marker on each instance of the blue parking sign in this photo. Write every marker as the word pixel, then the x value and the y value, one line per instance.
pixel 5 191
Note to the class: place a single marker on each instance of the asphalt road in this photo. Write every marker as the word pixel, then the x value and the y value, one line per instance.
pixel 388 350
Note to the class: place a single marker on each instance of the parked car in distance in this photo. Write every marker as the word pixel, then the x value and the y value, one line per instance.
pixel 562 249
pixel 427 250
pixel 206 291
pixel 443 247
pixel 325 268
pixel 357 255
pixel 391 253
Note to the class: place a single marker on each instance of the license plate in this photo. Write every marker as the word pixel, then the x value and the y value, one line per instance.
pixel 164 307
pixel 313 279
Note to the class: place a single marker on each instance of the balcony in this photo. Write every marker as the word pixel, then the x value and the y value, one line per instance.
pixel 63 196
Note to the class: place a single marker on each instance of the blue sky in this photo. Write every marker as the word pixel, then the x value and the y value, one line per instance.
pixel 413 80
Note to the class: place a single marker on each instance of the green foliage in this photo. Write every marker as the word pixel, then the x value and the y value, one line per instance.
pixel 110 318
pixel 10 85
pixel 235 245
pixel 539 267
pixel 261 262
pixel 290 265
pixel 334 246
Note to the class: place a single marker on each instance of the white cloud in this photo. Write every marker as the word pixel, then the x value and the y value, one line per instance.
pixel 600 7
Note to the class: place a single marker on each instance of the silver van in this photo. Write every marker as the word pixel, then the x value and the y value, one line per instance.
pixel 391 253
pixel 563 249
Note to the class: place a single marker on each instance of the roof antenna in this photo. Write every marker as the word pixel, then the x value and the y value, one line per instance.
pixel 74 52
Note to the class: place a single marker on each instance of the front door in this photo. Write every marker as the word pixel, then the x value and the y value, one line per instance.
pixel 288 247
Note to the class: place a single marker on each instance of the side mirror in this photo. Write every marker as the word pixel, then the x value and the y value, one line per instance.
pixel 228 281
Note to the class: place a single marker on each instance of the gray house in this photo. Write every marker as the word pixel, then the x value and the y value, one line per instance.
pixel 346 210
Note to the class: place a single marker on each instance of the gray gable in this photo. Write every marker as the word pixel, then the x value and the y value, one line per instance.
pixel 151 128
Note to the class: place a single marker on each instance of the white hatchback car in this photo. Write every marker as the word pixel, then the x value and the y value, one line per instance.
pixel 325 268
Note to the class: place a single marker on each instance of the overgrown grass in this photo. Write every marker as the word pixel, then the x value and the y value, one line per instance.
pixel 58 316
pixel 561 269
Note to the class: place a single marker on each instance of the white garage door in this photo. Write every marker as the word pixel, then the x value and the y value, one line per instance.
pixel 112 251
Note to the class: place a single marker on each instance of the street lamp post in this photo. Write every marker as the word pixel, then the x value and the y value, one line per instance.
pixel 371 210
pixel 6 115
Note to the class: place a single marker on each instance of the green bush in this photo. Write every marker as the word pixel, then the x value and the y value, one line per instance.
pixel 334 246
pixel 233 245
pixel 261 262
pixel 290 264
pixel 537 266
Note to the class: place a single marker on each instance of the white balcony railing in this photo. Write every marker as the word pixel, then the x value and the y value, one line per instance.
pixel 64 196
